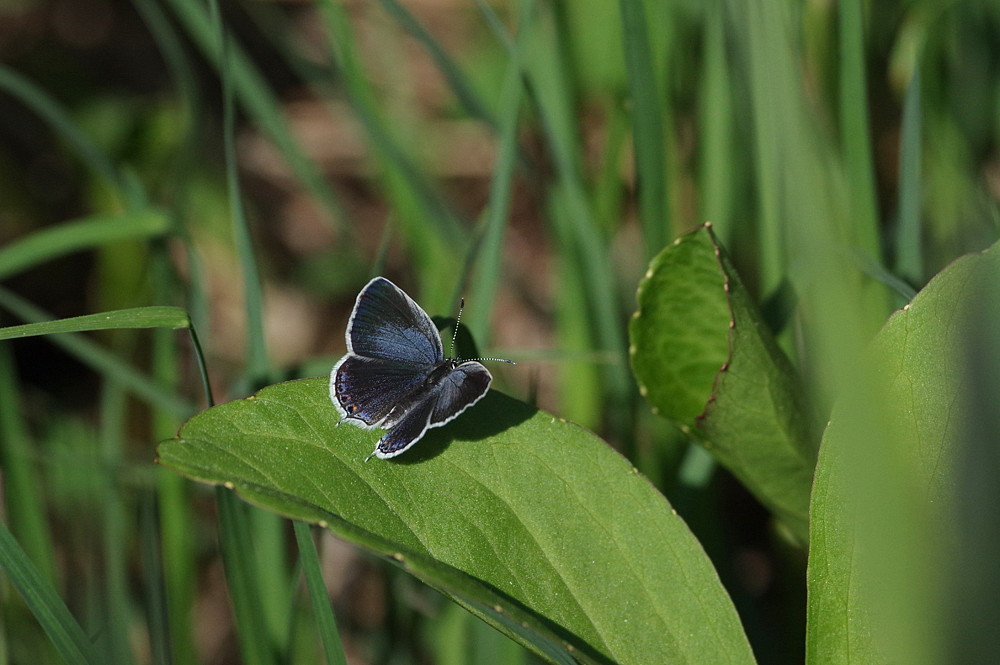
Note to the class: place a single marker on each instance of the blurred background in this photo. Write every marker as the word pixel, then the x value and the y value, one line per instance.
pixel 529 156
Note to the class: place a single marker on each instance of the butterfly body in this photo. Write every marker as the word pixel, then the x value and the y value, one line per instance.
pixel 395 375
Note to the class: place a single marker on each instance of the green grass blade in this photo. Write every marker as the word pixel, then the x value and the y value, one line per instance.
pixel 909 241
pixel 114 601
pixel 718 167
pixel 263 598
pixel 648 133
pixel 419 208
pixel 100 359
pixel 23 497
pixel 854 129
pixel 489 251
pixel 459 84
pixel 253 297
pixel 326 622
pixel 496 25
pixel 171 560
pixel 49 609
pixel 155 316
pixel 153 574
pixel 257 99
pixel 581 239
pixel 76 235
pixel 239 558
pixel 53 113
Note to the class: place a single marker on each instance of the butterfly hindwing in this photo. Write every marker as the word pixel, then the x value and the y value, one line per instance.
pixel 367 389
pixel 461 388
pixel 407 431
pixel 395 375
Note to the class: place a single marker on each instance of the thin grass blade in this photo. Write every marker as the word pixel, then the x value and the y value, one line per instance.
pixel 155 316
pixel 99 358
pixel 488 252
pixel 76 235
pixel 258 100
pixel 854 129
pixel 326 622
pixel 458 82
pixel 23 498
pixel 49 609
pixel 908 241
pixel 240 561
pixel 648 134
pixel 59 119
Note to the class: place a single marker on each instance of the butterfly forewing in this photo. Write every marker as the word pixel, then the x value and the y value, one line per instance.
pixel 387 324
pixel 395 375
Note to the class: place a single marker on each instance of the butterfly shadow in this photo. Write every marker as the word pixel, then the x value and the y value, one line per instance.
pixel 490 416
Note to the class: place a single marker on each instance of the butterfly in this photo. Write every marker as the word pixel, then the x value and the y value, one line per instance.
pixel 395 376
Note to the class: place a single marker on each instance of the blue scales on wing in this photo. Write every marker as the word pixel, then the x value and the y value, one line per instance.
pixel 368 389
pixel 448 391
pixel 387 324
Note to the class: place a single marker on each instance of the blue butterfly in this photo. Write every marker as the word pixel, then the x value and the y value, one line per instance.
pixel 395 375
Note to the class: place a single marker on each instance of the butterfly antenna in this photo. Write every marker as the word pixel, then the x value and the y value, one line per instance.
pixel 458 319
pixel 499 360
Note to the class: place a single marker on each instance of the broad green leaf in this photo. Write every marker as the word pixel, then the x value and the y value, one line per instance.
pixel 155 316
pixel 80 234
pixel 532 523
pixel 881 525
pixel 705 361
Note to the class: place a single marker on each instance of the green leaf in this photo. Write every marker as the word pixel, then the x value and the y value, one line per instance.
pixel 881 509
pixel 705 361
pixel 532 523
pixel 155 316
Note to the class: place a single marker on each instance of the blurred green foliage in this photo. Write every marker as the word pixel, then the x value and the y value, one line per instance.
pixel 531 152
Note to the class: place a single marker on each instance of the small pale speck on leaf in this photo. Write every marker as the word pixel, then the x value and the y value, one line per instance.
pixel 398 556
pixel 229 485
pixel 323 524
